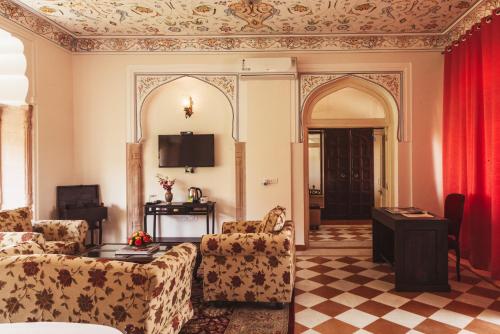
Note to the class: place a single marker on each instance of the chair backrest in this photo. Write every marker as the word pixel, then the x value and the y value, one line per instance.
pixel 454 212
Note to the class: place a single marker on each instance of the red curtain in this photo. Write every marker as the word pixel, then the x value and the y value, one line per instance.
pixel 471 139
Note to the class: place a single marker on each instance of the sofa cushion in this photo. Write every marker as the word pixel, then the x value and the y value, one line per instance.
pixel 24 248
pixel 274 220
pixel 62 247
pixel 17 220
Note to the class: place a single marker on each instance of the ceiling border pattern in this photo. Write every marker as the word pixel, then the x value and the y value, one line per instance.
pixel 36 24
pixel 390 81
pixel 483 10
pixel 49 30
pixel 146 83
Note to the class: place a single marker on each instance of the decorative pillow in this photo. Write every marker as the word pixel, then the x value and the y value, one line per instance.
pixel 17 220
pixel 274 220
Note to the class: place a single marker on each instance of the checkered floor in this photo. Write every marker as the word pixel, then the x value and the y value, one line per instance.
pixel 342 233
pixel 353 295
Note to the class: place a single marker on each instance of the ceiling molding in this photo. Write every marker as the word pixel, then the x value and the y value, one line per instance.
pixel 268 43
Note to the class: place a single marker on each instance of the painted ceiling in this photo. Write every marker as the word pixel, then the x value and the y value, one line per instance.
pixel 92 18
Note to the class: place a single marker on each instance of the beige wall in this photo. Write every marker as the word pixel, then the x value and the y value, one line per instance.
pixel 163 114
pixel 268 149
pixel 50 75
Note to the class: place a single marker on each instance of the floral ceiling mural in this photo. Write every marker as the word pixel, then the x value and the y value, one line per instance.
pixel 244 17
pixel 247 25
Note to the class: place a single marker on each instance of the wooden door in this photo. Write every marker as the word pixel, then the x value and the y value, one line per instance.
pixel 336 173
pixel 349 179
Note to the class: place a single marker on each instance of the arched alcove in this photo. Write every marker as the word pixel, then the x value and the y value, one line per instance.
pixel 162 114
pixel 13 80
pixel 353 102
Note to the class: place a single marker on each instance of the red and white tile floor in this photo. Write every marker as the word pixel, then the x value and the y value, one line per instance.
pixel 350 294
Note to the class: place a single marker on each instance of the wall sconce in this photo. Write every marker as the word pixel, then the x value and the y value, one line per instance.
pixel 188 107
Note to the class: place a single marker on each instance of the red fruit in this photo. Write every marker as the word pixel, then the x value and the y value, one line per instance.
pixel 138 242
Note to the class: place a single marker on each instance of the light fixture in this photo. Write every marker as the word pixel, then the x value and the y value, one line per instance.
pixel 188 107
pixel 13 81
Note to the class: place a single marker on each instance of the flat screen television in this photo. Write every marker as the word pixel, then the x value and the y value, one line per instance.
pixel 187 150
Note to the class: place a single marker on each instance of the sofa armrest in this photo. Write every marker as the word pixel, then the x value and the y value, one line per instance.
pixel 24 248
pixel 62 230
pixel 8 239
pixel 172 273
pixel 248 226
pixel 243 244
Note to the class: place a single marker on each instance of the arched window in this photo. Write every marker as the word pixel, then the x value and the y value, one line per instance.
pixel 13 81
pixel 15 125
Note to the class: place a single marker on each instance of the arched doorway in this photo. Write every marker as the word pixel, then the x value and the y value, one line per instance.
pixel 324 109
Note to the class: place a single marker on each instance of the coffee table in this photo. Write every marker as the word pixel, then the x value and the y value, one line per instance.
pixel 107 251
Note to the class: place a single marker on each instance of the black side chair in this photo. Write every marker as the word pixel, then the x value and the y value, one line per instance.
pixel 454 211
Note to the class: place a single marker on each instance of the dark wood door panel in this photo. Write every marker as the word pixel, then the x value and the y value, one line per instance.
pixel 349 179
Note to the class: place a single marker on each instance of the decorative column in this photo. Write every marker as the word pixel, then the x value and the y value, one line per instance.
pixel 240 180
pixel 134 187
pixel 28 153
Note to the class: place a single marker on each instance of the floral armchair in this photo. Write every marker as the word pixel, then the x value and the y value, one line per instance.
pixel 53 236
pixel 245 263
pixel 149 298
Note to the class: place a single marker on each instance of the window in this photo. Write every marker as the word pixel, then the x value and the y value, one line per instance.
pixel 15 125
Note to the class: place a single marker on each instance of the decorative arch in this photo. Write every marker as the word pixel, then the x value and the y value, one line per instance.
pixel 146 83
pixel 314 90
pixel 390 83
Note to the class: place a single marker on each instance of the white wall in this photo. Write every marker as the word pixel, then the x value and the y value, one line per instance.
pixel 50 76
pixel 163 114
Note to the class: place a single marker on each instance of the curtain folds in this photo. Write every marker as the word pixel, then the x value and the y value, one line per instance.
pixel 471 140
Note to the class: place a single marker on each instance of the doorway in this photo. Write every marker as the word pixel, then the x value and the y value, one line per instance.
pixel 359 117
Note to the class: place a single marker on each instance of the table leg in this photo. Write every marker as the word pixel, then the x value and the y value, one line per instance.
pixel 154 227
pixel 376 242
pixel 213 220
pixel 208 222
pixel 100 232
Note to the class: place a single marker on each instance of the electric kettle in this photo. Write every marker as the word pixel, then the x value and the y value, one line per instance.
pixel 194 194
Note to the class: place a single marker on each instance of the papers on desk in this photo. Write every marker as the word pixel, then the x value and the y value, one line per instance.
pixel 417 215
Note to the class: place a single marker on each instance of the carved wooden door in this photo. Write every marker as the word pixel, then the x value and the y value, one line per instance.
pixel 349 180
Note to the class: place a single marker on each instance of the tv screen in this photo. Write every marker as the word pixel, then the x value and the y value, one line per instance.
pixel 186 150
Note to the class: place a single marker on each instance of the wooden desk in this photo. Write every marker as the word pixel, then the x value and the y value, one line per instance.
pixel 416 247
pixel 178 209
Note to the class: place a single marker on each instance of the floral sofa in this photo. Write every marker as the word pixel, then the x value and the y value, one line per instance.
pixel 149 298
pixel 249 263
pixel 53 236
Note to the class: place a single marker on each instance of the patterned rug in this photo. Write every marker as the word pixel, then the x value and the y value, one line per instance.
pixel 236 318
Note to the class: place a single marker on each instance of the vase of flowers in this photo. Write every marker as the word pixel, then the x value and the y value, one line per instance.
pixel 139 239
pixel 167 185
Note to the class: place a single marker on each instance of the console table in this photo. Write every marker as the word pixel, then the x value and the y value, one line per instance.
pixel 416 247
pixel 179 209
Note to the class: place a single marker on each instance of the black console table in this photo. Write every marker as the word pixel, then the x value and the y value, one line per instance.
pixel 179 209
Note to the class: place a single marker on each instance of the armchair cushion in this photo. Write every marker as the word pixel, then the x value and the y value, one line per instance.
pixel 248 226
pixel 62 247
pixel 274 220
pixel 17 220
pixel 13 238
pixel 69 234
pixel 24 248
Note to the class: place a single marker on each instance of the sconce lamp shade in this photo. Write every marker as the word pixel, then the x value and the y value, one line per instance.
pixel 13 80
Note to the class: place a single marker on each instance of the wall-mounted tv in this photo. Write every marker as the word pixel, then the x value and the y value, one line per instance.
pixel 186 150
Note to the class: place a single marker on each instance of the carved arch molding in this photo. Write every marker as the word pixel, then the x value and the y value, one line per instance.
pixel 390 81
pixel 144 85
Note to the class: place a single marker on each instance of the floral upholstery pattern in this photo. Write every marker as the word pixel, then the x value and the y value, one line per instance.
pixel 24 248
pixel 17 220
pixel 13 238
pixel 149 298
pixel 63 236
pixel 274 220
pixel 239 265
